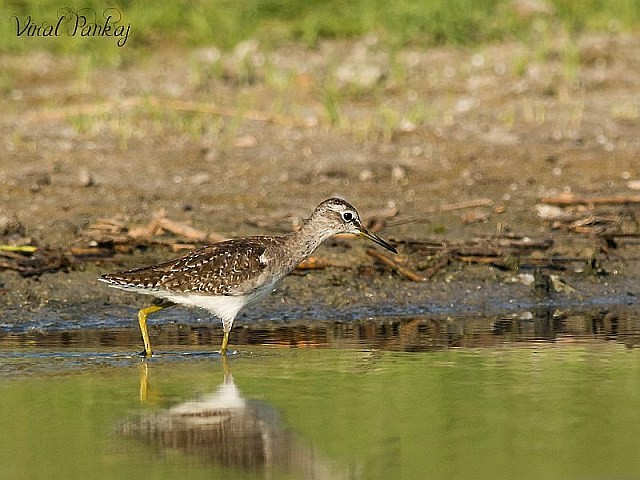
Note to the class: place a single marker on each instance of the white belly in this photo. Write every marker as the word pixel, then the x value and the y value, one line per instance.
pixel 225 307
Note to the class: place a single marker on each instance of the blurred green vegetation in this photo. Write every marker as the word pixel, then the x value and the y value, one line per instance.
pixel 224 23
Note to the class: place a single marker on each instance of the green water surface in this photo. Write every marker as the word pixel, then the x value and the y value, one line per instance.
pixel 537 411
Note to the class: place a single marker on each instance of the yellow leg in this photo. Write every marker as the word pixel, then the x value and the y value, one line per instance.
pixel 225 341
pixel 142 320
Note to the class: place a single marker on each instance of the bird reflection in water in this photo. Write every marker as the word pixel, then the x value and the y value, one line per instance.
pixel 225 429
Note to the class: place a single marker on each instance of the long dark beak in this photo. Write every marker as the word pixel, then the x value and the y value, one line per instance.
pixel 374 238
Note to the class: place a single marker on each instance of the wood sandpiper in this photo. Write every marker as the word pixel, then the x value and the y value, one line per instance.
pixel 227 276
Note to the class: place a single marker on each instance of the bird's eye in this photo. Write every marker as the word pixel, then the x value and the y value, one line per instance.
pixel 347 216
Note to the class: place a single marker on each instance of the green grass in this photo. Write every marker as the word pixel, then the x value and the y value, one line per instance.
pixel 226 22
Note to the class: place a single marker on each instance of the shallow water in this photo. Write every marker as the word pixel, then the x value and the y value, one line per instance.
pixel 536 395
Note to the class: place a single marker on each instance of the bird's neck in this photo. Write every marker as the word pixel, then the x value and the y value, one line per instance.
pixel 312 233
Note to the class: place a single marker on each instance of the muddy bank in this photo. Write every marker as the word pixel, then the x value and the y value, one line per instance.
pixel 233 155
pixel 60 304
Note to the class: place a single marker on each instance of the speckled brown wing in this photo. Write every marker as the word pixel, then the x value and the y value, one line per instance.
pixel 227 268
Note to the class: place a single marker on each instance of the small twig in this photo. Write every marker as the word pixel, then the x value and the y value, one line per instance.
pixel 10 266
pixel 90 252
pixel 147 233
pixel 108 225
pixel 479 202
pixel 477 259
pixel 313 263
pixel 12 255
pixel 112 239
pixel 182 230
pixel 568 200
pixel 442 262
pixel 522 243
pixel 474 216
pixel 402 270
pixel 190 233
pixel 179 247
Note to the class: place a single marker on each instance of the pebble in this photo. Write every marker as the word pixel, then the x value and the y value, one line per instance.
pixel 86 178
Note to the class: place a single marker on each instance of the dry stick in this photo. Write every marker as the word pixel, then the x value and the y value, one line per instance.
pixel 109 226
pixel 313 263
pixel 10 266
pixel 523 243
pixel 479 202
pixel 568 200
pixel 148 232
pixel 477 259
pixel 404 271
pixel 179 247
pixel 90 252
pixel 189 233
pixel 442 262
pixel 102 239
pixel 182 230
